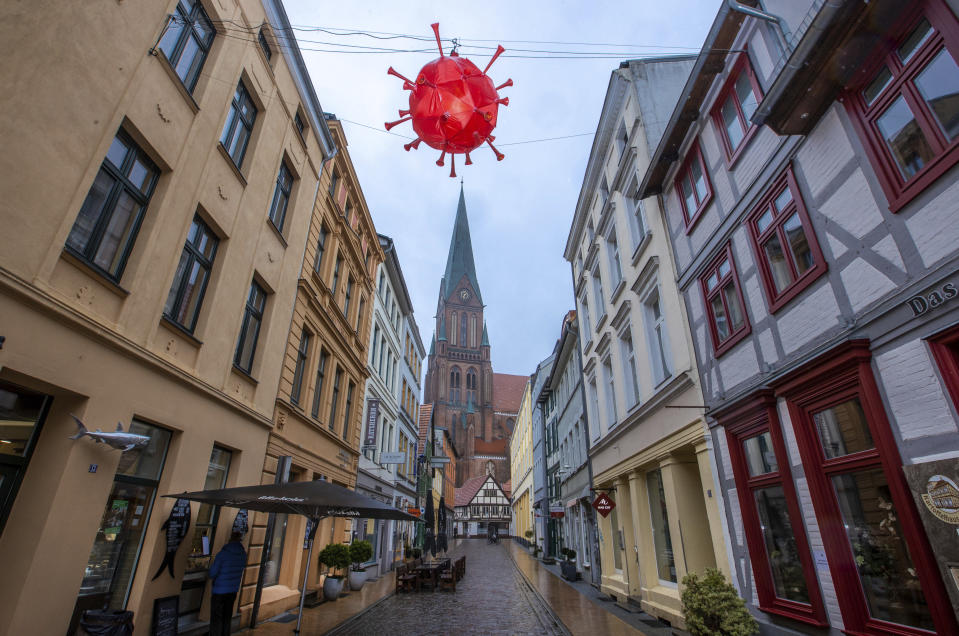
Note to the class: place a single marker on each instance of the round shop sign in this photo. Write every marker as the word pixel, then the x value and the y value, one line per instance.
pixel 942 498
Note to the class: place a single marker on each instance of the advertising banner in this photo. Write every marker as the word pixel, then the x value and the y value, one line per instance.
pixel 372 414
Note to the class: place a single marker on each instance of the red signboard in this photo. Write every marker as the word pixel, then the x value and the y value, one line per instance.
pixel 413 511
pixel 604 505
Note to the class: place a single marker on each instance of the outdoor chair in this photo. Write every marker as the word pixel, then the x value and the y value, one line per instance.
pixel 447 577
pixel 405 582
pixel 459 569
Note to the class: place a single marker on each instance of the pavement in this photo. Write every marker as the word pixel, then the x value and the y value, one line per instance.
pixel 505 592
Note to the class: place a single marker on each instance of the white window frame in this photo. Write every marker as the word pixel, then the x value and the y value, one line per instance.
pixel 627 351
pixel 657 336
pixel 612 252
pixel 609 390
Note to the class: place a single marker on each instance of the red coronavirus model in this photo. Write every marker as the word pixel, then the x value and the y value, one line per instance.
pixel 453 105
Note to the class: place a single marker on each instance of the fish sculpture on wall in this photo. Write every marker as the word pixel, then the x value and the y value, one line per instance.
pixel 176 527
pixel 118 439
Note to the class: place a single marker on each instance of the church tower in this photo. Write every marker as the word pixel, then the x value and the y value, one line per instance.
pixel 459 377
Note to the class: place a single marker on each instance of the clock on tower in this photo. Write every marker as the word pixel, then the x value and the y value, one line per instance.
pixel 464 295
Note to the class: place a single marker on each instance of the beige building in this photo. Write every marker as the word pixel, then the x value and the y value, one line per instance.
pixel 319 405
pixel 649 446
pixel 521 467
pixel 158 184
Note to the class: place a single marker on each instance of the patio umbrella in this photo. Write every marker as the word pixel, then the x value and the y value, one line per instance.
pixel 313 499
pixel 429 543
pixel 441 543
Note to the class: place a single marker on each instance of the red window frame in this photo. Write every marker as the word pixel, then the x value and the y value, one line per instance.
pixel 945 351
pixel 742 65
pixel 778 299
pixel 685 172
pixel 722 346
pixel 831 379
pixel 900 190
pixel 748 418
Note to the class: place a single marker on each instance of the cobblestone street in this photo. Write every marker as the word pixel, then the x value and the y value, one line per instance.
pixel 493 598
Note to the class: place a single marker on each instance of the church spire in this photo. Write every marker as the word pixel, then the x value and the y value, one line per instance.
pixel 485 342
pixel 460 259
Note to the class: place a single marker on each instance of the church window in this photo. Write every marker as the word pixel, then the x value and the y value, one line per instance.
pixel 453 331
pixel 471 385
pixel 473 335
pixel 455 385
pixel 463 331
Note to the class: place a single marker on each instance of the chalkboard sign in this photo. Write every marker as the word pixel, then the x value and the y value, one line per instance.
pixel 176 527
pixel 166 615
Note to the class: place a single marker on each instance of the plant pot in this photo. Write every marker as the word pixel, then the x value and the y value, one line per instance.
pixel 569 570
pixel 357 579
pixel 332 587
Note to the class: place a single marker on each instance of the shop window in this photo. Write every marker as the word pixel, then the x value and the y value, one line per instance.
pixel 204 534
pixel 945 351
pixel 250 328
pixel 22 413
pixel 186 41
pixel 904 104
pixel 779 552
pixel 786 248
pixel 659 518
pixel 693 186
pixel 116 549
pixel 106 227
pixel 877 549
pixel 239 124
pixel 192 274
pixel 616 541
pixel 735 106
pixel 725 307
pixel 271 568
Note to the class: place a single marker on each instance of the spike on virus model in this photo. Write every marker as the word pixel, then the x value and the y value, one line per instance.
pixel 453 105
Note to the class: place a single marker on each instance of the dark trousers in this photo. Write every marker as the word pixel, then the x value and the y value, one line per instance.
pixel 221 611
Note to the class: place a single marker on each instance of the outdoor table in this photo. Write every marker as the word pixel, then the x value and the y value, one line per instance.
pixel 429 572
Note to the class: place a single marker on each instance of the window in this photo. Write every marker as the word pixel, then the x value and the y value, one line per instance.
pixel 318 388
pixel 610 393
pixel 204 533
pixel 779 552
pixel 612 251
pixel 336 274
pixel 693 186
pixel 629 367
pixel 636 211
pixel 471 385
pixel 337 378
pixel 348 211
pixel 108 222
pixel 250 329
pixel 22 414
pixel 785 245
pixel 346 297
pixel 239 125
pixel 455 385
pixel 877 550
pixel 659 518
pixel 359 313
pixel 656 336
pixel 348 411
pixel 186 41
pixel 320 249
pixel 598 294
pixel 301 128
pixel 463 325
pixel 302 353
pixel 603 192
pixel 724 303
pixel 905 105
pixel 622 140
pixel 192 274
pixel 264 45
pixel 375 340
pixel 281 197
pixel 116 549
pixel 453 331
pixel 584 319
pixel 735 106
pixel 334 181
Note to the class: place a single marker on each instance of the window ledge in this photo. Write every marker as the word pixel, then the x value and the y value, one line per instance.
pixel 232 164
pixel 277 231
pixel 245 374
pixel 81 263
pixel 730 342
pixel 620 286
pixel 699 212
pixel 641 247
pixel 181 88
pixel 601 321
pixel 733 158
pixel 169 323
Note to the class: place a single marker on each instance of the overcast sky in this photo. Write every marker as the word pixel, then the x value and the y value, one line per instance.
pixel 520 208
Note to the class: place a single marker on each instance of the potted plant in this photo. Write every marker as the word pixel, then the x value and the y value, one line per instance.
pixel 712 606
pixel 529 535
pixel 335 556
pixel 569 565
pixel 360 553
pixel 417 553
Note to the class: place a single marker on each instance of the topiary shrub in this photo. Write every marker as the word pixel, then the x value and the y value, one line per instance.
pixel 528 534
pixel 570 554
pixel 360 552
pixel 335 556
pixel 712 607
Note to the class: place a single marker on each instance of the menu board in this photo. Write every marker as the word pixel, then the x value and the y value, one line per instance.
pixel 176 527
pixel 166 613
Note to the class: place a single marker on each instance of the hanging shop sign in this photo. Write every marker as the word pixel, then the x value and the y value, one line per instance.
pixel 557 512
pixel 392 458
pixel 176 527
pixel 372 415
pixel 603 504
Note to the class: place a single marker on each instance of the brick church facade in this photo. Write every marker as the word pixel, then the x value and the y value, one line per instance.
pixel 476 405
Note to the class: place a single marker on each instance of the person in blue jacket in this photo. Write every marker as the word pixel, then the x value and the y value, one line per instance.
pixel 226 574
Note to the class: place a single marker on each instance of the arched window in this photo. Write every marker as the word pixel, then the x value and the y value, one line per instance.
pixel 463 331
pixel 455 385
pixel 453 328
pixel 471 385
pixel 473 339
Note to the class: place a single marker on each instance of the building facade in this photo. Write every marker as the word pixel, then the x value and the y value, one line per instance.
pixel 521 468
pixel 649 444
pixel 482 506
pixel 150 282
pixel 540 506
pixel 478 406
pixel 808 178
